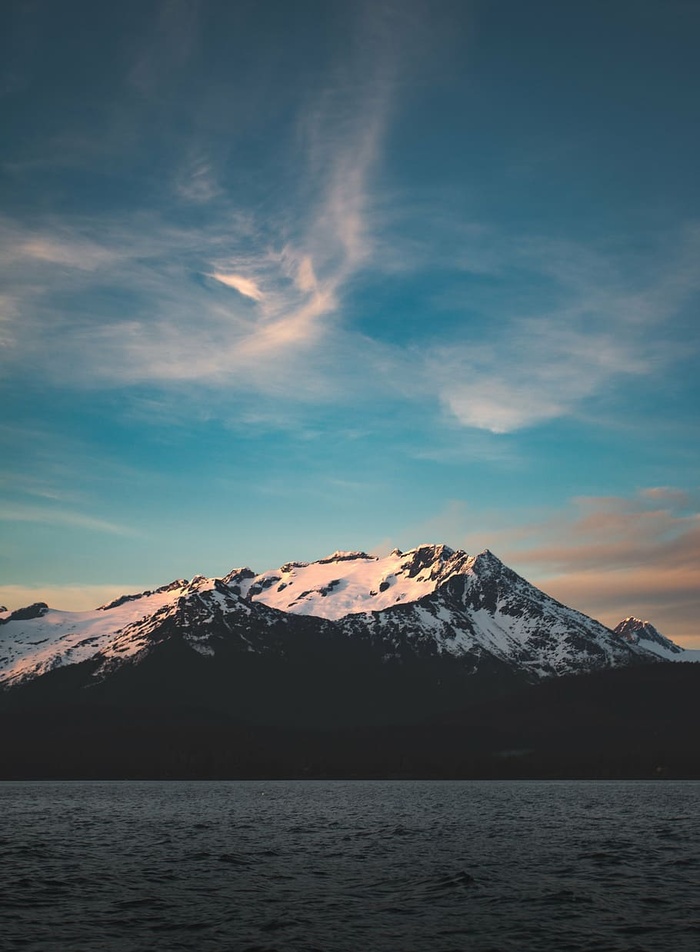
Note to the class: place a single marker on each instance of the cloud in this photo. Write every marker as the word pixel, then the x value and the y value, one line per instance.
pixel 197 182
pixel 486 401
pixel 511 372
pixel 81 255
pixel 36 248
pixel 30 484
pixel 601 321
pixel 294 259
pixel 245 286
pixel 306 277
pixel 300 252
pixel 678 497
pixel 607 532
pixel 534 373
pixel 62 517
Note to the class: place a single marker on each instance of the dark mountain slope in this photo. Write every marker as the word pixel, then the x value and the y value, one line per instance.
pixel 640 722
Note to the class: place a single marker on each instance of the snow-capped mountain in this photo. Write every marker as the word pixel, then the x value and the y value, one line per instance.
pixel 430 602
pixel 642 633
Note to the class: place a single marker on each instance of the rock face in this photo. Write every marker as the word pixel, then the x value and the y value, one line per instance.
pixel 418 628
pixel 26 614
pixel 643 634
pixel 479 608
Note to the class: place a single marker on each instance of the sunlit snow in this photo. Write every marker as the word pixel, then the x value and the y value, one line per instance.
pixel 429 596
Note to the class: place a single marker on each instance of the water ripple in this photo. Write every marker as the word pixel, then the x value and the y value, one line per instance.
pixel 391 867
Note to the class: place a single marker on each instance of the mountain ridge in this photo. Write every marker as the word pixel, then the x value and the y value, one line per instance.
pixel 468 671
pixel 429 601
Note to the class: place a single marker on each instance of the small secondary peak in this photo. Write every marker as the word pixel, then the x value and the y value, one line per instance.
pixel 487 558
pixel 635 631
pixel 631 625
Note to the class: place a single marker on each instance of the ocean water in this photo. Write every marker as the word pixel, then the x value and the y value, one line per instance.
pixel 350 866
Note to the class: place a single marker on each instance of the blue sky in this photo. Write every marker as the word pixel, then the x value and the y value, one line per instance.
pixel 279 279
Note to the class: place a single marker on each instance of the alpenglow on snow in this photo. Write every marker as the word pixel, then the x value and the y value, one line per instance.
pixel 430 601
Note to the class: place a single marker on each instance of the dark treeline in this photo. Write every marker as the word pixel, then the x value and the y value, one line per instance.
pixel 638 722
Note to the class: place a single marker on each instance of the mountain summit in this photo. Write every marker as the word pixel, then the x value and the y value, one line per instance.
pixel 431 606
pixel 348 583
pixel 642 633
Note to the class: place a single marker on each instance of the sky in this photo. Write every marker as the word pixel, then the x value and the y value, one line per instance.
pixel 279 279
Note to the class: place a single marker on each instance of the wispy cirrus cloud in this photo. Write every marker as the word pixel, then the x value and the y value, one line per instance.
pixel 249 296
pixel 607 324
pixel 519 370
pixel 197 181
pixel 28 250
pixel 293 263
pixel 62 517
pixel 534 372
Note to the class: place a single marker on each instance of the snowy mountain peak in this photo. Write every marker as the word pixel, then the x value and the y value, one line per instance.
pixel 637 632
pixel 239 580
pixel 486 562
pixel 198 584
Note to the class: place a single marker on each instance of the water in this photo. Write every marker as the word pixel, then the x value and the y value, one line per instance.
pixel 348 866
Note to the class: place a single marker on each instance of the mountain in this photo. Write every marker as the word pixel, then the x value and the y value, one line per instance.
pixel 237 676
pixel 643 634
pixel 429 602
pixel 468 607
